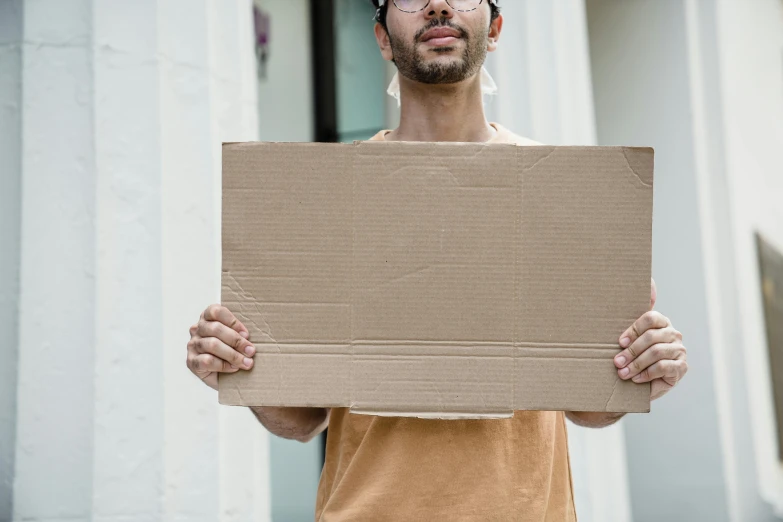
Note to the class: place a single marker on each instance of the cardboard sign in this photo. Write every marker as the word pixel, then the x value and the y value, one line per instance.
pixel 436 279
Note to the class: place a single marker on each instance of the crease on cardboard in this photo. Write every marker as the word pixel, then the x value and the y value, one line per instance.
pixel 229 388
pixel 238 389
pixel 356 152
pixel 400 278
pixel 453 178
pixel 611 395
pixel 242 298
pixel 539 160
pixel 630 167
pixel 479 149
pixel 567 346
pixel 440 395
pixel 248 298
pixel 434 171
pixel 520 194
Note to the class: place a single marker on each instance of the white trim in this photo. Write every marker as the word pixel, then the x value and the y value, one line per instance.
pixel 745 154
pixel 717 335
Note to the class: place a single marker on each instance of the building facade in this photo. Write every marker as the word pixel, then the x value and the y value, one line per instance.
pixel 111 118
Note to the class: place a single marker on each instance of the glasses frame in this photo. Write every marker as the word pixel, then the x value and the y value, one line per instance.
pixel 428 3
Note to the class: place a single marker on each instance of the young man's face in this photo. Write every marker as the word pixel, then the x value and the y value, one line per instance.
pixel 438 44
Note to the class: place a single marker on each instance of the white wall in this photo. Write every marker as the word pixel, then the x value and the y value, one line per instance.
pixel 750 47
pixel 57 327
pixel 641 78
pixel 717 204
pixel 542 69
pixel 125 106
pixel 10 195
pixel 702 81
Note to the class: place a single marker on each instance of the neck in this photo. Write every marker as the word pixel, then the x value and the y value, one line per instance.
pixel 451 112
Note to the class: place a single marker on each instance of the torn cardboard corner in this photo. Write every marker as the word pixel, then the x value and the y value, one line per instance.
pixel 435 279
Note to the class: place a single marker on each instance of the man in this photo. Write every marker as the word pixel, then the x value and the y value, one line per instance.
pixel 413 469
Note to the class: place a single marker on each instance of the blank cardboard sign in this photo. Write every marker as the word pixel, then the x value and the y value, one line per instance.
pixel 434 279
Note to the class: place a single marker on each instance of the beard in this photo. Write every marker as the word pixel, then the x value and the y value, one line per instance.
pixel 411 64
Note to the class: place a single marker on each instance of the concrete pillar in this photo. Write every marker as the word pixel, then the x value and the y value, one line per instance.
pixel 57 319
pixel 10 211
pixel 125 107
pixel 542 68
pixel 128 414
pixel 746 192
pixel 644 71
pixel 708 97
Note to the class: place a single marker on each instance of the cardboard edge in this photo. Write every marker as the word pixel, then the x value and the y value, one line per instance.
pixel 228 395
pixel 313 144
pixel 628 401
pixel 441 144
pixel 231 395
pixel 641 162
pixel 435 415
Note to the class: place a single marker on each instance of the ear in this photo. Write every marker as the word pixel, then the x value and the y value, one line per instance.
pixel 494 33
pixel 384 44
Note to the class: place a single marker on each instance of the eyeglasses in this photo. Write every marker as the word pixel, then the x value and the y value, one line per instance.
pixel 414 6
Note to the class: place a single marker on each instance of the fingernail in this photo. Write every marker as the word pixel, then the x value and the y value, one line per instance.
pixel 249 350
pixel 624 372
pixel 248 362
pixel 245 335
pixel 637 378
pixel 620 361
pixel 625 341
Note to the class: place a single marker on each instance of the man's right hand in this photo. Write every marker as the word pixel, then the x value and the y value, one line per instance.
pixel 219 343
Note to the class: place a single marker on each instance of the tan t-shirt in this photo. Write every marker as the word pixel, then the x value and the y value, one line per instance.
pixel 406 469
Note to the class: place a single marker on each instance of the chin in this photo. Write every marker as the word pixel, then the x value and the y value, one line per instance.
pixel 445 56
pixel 444 50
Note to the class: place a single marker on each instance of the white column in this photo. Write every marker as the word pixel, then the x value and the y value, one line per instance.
pixel 748 74
pixel 57 302
pixel 128 371
pixel 10 213
pixel 542 68
pixel 126 104
pixel 244 444
pixel 648 85
pixel 190 267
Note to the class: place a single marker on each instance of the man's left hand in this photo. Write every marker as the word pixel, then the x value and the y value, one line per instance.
pixel 653 352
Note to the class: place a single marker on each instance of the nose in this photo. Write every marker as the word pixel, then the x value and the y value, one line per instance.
pixel 439 9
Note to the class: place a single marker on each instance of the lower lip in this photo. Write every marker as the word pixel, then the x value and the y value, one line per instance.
pixel 439 42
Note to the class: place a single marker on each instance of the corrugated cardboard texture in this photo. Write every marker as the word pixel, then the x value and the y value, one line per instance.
pixel 436 279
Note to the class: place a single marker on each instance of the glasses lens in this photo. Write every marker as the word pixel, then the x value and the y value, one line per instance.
pixel 414 6
pixel 464 5
pixel 411 6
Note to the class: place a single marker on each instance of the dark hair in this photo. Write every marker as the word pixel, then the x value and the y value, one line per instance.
pixel 380 13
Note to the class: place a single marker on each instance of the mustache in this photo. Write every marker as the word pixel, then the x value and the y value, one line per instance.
pixel 441 22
